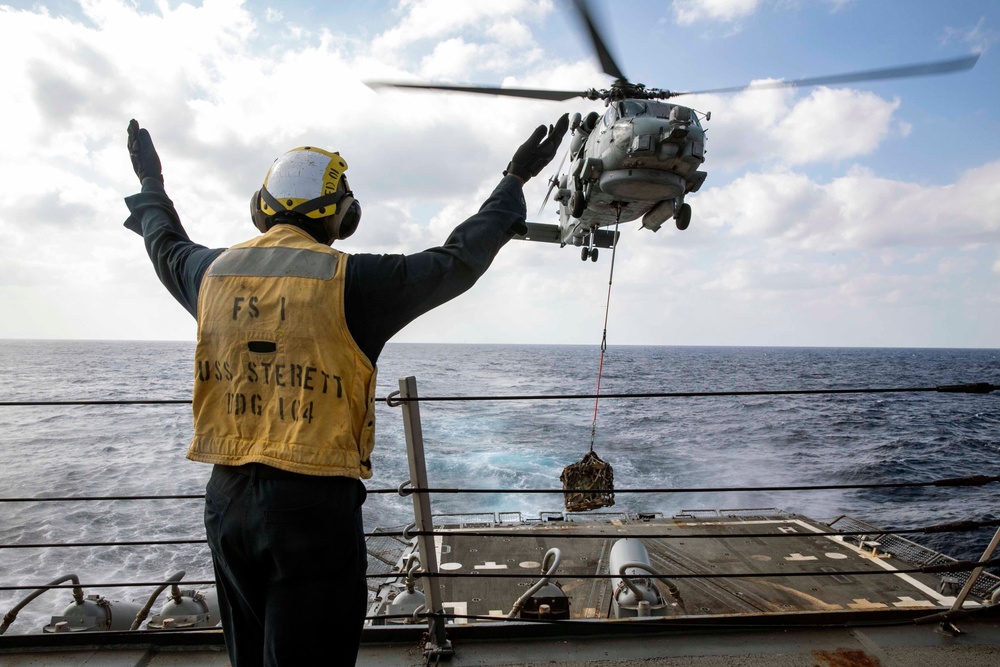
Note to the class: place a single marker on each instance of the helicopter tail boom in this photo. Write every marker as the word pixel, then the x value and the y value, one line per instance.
pixel 544 233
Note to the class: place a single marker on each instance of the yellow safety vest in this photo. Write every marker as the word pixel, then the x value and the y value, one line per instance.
pixel 278 377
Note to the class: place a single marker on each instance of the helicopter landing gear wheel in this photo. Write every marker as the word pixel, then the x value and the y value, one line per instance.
pixel 576 204
pixel 683 217
pixel 589 250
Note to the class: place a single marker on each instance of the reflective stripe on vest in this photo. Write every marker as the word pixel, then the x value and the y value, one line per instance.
pixel 274 263
pixel 278 378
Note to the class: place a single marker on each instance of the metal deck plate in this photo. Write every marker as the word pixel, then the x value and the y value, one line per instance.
pixel 728 548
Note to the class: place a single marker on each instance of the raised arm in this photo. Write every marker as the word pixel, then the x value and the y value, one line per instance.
pixel 179 262
pixel 384 293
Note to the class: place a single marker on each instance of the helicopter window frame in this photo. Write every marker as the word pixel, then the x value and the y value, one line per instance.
pixel 633 108
pixel 610 116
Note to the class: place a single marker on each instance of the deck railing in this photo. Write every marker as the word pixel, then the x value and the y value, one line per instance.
pixel 970 574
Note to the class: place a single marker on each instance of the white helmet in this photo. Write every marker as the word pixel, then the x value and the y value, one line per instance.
pixel 310 182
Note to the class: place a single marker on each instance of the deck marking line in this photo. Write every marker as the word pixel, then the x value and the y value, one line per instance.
pixel 926 590
pixel 864 603
pixel 490 565
pixel 907 602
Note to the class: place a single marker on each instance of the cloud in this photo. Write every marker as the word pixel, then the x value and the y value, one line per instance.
pixel 727 11
pixel 454 57
pixel 980 37
pixel 778 126
pixel 833 125
pixel 501 24
pixel 858 210
pixel 225 91
pixel 839 5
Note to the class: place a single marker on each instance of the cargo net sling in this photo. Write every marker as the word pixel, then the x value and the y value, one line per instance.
pixel 590 473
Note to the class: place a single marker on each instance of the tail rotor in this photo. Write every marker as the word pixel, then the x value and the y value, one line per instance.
pixel 553 182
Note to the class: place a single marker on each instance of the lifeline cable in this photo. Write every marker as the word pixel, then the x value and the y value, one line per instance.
pixel 394 400
pixel 954 527
pixel 604 335
pixel 971 480
pixel 957 566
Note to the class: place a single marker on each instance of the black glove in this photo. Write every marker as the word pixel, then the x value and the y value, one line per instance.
pixel 145 161
pixel 535 153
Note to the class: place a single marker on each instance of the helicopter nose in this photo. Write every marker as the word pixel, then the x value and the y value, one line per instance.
pixel 621 135
pixel 643 144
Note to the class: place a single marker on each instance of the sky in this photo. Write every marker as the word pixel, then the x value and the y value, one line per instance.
pixel 862 215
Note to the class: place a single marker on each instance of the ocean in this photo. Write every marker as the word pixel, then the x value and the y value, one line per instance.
pixel 652 443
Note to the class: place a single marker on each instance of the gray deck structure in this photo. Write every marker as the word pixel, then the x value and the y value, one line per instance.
pixel 737 588
pixel 755 547
pixel 834 615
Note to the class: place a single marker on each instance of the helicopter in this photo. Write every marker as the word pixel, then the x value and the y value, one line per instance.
pixel 642 156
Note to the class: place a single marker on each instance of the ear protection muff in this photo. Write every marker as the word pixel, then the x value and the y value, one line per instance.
pixel 339 226
pixel 258 216
pixel 345 221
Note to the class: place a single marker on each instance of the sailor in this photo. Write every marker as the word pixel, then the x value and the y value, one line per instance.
pixel 289 333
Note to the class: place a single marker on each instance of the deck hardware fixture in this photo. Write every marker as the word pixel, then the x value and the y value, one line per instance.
pixel 551 594
pixel 437 645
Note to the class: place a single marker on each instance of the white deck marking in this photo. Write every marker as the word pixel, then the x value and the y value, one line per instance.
pixel 906 602
pixel 798 556
pixel 863 603
pixel 490 565
pixel 944 600
pixel 926 590
pixel 459 609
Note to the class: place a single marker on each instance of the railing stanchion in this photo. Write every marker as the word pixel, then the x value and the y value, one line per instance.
pixel 971 581
pixel 437 643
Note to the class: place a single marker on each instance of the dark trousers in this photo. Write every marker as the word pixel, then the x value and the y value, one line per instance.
pixel 290 559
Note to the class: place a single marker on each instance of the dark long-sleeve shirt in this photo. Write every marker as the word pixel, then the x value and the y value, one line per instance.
pixel 382 293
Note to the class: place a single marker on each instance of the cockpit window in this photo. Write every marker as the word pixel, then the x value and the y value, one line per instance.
pixel 610 116
pixel 660 109
pixel 633 108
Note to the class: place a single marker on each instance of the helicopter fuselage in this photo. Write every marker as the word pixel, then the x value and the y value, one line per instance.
pixel 637 160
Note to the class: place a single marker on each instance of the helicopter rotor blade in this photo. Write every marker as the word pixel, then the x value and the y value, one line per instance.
pixel 607 62
pixel 905 71
pixel 531 93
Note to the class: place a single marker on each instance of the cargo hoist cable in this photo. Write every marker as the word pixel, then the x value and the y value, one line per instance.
pixel 604 335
